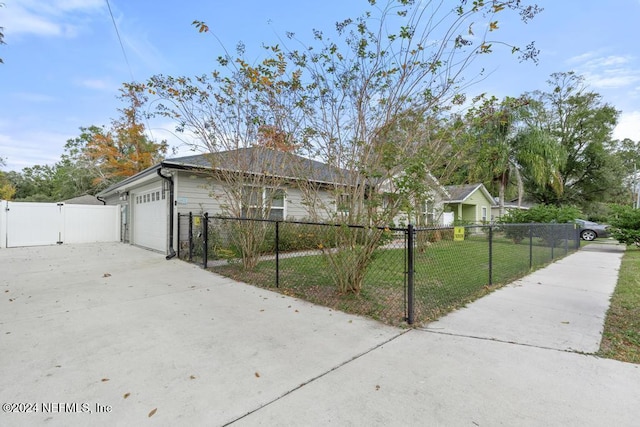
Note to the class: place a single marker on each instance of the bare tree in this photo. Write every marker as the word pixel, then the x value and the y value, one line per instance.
pixel 374 105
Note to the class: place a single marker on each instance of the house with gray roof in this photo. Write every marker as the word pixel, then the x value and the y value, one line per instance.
pixel 240 183
pixel 468 203
pixel 151 200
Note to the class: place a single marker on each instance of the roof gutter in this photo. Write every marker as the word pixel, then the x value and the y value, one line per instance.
pixel 169 179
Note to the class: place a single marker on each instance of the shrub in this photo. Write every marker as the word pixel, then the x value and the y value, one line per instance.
pixel 537 214
pixel 625 225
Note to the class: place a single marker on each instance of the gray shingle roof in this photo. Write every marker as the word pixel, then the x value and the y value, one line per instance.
pixel 459 193
pixel 259 160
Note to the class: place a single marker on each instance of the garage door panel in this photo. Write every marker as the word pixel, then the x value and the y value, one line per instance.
pixel 150 220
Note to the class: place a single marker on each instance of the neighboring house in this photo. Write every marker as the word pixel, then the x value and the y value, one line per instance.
pixel 469 203
pixel 87 199
pixel 151 200
pixel 428 210
pixel 509 206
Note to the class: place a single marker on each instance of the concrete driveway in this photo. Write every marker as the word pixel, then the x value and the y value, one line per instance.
pixel 110 334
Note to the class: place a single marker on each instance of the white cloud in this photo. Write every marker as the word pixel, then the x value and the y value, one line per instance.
pixel 180 143
pixel 99 84
pixel 603 71
pixel 628 126
pixel 47 17
pixel 31 148
pixel 33 97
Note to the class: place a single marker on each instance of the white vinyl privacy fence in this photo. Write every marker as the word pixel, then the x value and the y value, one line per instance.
pixel 37 224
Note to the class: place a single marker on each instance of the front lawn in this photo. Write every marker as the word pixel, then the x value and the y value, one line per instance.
pixel 621 338
pixel 448 275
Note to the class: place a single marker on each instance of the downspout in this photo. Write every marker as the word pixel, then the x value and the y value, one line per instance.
pixel 104 202
pixel 172 252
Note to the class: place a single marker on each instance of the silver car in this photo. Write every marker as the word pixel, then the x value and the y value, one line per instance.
pixel 590 230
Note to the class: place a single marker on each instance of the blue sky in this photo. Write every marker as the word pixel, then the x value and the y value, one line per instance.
pixel 63 63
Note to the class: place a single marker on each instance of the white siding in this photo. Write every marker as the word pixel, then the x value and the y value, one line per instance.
pixel 197 193
pixel 298 208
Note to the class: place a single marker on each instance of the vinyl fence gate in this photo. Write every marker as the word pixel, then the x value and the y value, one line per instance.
pixel 40 224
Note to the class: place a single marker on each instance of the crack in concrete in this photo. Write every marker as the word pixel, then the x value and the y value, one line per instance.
pixel 317 377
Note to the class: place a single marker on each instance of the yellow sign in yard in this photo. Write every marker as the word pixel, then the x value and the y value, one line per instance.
pixel 196 220
pixel 458 234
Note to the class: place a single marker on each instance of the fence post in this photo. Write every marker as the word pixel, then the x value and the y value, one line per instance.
pixel 277 254
pixel 490 255
pixel 553 240
pixel 410 274
pixel 205 238
pixel 190 236
pixel 566 239
pixel 530 246
pixel 576 235
pixel 178 228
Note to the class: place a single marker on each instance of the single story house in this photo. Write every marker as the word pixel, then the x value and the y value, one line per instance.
pixel 468 203
pixel 151 200
pixel 86 199
pixel 509 206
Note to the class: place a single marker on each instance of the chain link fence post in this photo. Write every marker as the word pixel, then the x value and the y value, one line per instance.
pixel 530 246
pixel 490 255
pixel 277 248
pixel 190 236
pixel 410 274
pixel 205 238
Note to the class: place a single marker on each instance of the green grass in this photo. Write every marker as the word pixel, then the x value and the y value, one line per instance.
pixel 448 275
pixel 621 338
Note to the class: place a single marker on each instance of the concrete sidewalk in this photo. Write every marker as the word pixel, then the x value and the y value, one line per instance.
pixel 507 359
pixel 562 306
pixel 119 326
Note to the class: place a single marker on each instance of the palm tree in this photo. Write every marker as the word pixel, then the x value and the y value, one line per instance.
pixel 505 152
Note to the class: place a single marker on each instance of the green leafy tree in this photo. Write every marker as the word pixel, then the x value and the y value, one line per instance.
pixel 7 189
pixel 582 125
pixel 77 173
pixel 537 214
pixel 625 224
pixel 35 184
pixel 627 154
pixel 505 151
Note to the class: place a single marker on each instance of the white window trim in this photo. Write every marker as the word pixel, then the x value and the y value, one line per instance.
pixel 424 213
pixel 263 196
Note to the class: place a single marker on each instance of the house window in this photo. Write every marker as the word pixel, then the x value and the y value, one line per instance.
pixel 427 213
pixel 484 214
pixel 257 201
pixel 277 197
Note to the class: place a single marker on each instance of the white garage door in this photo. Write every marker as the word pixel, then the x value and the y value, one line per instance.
pixel 150 219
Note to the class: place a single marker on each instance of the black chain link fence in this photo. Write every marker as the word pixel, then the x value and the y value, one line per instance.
pixel 403 274
pixel 452 269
